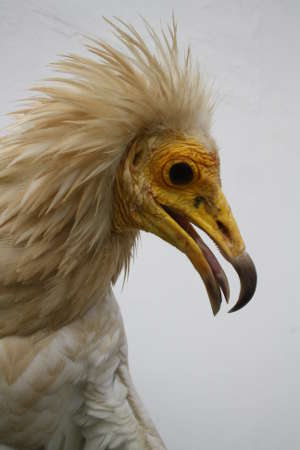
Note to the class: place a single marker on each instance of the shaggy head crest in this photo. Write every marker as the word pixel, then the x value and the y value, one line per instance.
pixel 122 95
pixel 117 96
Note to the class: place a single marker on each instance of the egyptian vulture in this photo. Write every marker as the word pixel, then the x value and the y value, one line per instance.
pixel 119 141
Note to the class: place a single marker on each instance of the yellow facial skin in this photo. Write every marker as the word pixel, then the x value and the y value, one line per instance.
pixel 164 185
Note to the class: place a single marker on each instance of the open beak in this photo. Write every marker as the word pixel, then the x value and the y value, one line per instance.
pixel 175 225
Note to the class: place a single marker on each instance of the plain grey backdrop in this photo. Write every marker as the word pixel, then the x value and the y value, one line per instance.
pixel 230 382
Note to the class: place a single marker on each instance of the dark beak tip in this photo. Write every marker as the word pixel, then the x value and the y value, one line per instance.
pixel 236 308
pixel 215 311
pixel 246 271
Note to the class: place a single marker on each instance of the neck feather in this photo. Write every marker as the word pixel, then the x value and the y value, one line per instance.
pixel 58 253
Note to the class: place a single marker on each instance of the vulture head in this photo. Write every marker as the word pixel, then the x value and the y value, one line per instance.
pixel 168 184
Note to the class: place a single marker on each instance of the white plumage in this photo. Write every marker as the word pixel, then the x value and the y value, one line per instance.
pixel 75 386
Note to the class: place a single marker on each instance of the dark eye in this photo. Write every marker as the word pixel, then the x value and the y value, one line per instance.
pixel 181 173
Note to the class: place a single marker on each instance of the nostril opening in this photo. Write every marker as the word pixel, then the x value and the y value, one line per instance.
pixel 137 158
pixel 223 228
pixel 198 200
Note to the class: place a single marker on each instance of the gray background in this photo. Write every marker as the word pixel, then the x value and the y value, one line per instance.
pixel 230 382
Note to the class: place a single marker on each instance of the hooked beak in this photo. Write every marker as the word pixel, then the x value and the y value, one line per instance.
pixel 175 225
pixel 246 271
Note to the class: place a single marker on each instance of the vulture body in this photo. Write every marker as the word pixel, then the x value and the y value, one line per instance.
pixel 118 142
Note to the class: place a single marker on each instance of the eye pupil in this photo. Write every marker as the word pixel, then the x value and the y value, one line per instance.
pixel 181 173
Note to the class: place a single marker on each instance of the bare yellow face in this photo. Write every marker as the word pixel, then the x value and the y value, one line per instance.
pixel 168 184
